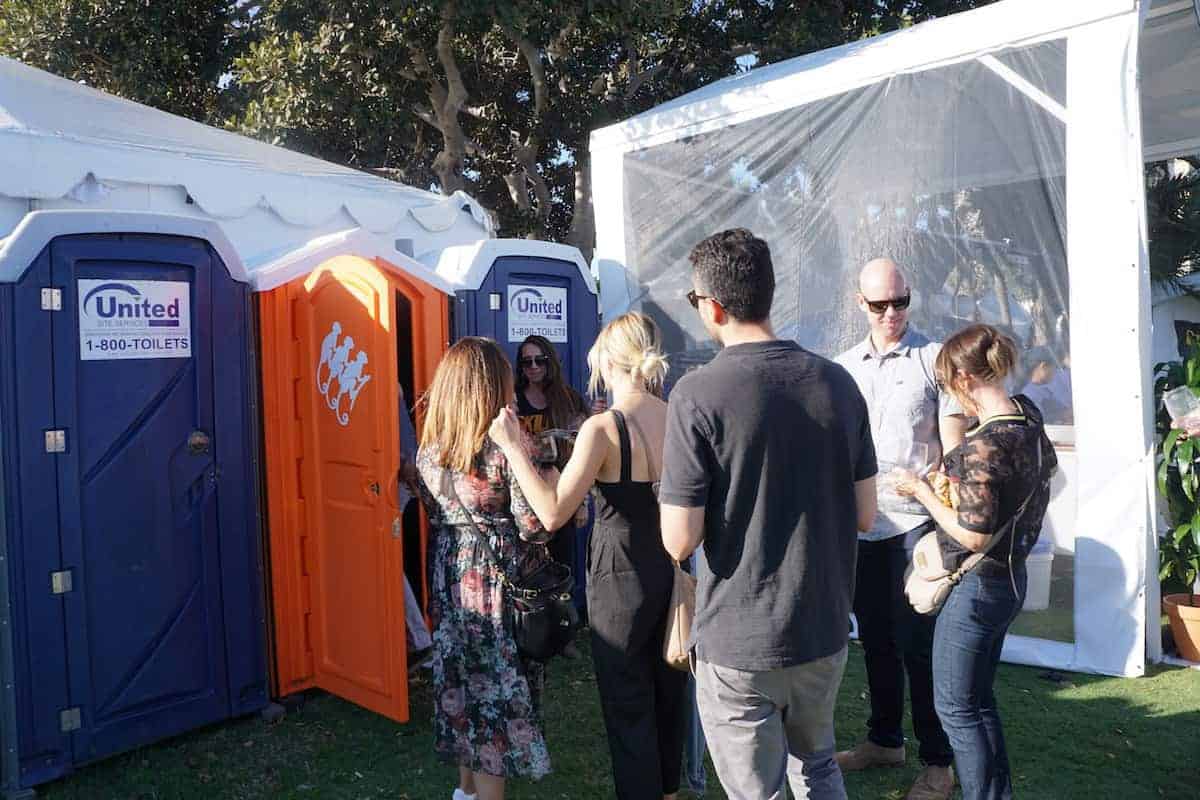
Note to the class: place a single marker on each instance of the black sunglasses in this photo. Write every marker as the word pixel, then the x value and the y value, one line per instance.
pixel 695 299
pixel 881 306
pixel 533 361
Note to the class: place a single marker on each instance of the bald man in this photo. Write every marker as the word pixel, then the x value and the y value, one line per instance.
pixel 911 421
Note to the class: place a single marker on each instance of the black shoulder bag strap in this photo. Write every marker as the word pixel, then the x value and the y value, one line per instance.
pixel 999 534
pixel 479 534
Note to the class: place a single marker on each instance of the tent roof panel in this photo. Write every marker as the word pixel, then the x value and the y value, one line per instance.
pixel 467 266
pixel 797 81
pixel 54 133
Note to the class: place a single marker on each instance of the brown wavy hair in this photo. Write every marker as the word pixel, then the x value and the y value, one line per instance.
pixel 980 351
pixel 473 382
pixel 563 403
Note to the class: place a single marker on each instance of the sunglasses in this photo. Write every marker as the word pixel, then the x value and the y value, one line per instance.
pixel 881 306
pixel 533 361
pixel 695 299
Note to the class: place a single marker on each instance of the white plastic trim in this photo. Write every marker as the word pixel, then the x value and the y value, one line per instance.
pixel 466 266
pixel 354 241
pixel 38 228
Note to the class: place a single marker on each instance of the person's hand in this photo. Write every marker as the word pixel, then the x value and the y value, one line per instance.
pixel 1190 426
pixel 505 430
pixel 907 483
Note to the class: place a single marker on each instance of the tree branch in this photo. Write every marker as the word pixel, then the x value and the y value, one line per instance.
pixel 533 60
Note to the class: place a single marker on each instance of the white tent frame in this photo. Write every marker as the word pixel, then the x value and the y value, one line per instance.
pixel 1116 586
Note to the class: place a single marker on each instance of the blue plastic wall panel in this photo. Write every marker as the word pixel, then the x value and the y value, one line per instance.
pixel 237 439
pixel 40 680
pixel 163 630
pixel 475 317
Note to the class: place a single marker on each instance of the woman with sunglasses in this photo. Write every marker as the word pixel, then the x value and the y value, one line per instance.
pixel 545 401
pixel 629 572
pixel 1000 479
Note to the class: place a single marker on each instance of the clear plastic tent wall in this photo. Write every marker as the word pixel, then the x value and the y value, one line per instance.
pixel 997 156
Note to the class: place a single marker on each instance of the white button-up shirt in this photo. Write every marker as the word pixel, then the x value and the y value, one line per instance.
pixel 904 405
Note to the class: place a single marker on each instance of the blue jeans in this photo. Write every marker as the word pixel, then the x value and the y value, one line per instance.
pixel 694 746
pixel 966 649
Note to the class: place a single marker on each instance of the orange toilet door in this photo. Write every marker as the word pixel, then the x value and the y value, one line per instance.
pixel 345 319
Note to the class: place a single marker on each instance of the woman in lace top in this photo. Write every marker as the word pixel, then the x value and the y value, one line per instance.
pixel 1000 472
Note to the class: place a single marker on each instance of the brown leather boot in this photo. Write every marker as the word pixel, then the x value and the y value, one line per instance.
pixel 932 783
pixel 868 754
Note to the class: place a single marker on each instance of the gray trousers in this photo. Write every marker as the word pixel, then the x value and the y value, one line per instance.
pixel 766 730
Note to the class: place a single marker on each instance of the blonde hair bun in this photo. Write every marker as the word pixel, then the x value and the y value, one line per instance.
pixel 631 343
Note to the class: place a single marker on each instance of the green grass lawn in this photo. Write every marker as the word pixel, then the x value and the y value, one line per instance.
pixel 1083 737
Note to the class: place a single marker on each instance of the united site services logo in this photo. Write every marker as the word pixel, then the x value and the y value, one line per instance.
pixel 119 302
pixel 529 302
pixel 339 375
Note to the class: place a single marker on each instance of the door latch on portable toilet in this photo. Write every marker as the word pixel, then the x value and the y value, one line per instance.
pixel 61 582
pixel 69 719
pixel 51 299
pixel 56 441
pixel 395 527
pixel 494 299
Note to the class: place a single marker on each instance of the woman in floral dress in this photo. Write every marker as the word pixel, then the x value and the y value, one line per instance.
pixel 487 716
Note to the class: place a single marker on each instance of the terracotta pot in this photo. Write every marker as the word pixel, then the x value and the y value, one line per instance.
pixel 1185 624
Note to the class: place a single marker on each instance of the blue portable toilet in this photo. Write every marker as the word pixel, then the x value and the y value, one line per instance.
pixel 511 288
pixel 132 596
pixel 131 602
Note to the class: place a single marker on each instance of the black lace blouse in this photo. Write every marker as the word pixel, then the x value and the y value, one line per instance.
pixel 995 469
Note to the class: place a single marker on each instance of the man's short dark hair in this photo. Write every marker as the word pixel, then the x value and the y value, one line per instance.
pixel 734 267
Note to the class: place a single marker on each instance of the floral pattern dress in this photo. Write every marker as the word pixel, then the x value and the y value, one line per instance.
pixel 487 699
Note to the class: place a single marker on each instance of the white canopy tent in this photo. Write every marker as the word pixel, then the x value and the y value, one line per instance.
pixel 65 147
pixel 998 155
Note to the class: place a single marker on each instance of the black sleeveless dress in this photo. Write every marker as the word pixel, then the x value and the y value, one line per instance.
pixel 628 593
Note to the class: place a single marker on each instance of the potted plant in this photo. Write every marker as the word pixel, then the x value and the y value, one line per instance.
pixel 1179 484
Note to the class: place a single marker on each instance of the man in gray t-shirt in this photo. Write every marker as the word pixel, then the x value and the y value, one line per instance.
pixel 768 463
pixel 912 423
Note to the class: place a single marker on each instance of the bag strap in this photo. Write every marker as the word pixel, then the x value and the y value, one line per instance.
pixel 974 559
pixel 645 446
pixel 483 540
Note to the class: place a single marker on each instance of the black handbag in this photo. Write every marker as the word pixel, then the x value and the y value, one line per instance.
pixel 538 609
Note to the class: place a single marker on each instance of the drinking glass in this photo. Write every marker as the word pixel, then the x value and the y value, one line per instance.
pixel 1181 402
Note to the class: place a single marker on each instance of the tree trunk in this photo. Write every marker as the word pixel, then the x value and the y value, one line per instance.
pixel 583 219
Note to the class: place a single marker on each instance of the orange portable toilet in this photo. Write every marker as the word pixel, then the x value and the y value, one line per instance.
pixel 343 323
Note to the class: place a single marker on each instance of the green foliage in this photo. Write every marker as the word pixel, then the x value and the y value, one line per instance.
pixel 498 98
pixel 1173 217
pixel 1178 478
pixel 170 54
pixel 363 82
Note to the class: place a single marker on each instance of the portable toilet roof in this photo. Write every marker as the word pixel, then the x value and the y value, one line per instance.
pixel 65 146
pixel 271 273
pixel 467 266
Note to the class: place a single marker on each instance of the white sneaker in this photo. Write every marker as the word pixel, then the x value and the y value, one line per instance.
pixel 459 794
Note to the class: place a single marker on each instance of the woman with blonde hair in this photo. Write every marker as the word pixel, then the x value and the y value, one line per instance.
pixel 487 716
pixel 629 573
